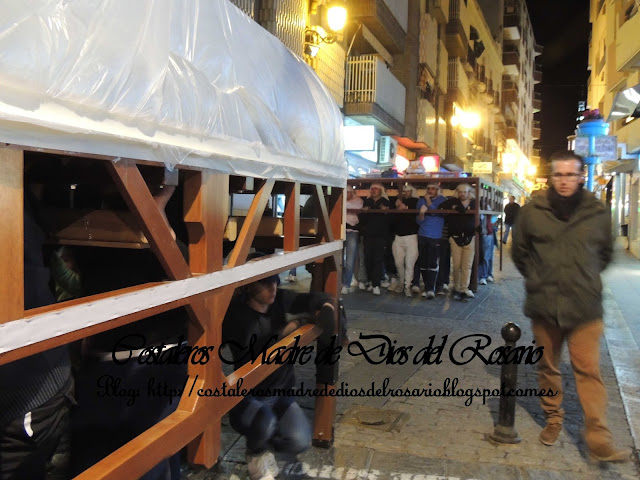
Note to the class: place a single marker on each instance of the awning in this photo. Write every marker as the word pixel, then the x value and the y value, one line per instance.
pixel 626 104
pixel 623 166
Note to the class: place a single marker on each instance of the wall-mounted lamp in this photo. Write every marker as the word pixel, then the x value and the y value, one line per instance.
pixel 313 38
pixel 336 15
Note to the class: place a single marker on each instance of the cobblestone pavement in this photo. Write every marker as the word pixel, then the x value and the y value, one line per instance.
pixel 429 438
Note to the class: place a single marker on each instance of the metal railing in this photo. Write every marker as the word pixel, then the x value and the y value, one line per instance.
pixel 454 10
pixel 368 80
pixel 361 79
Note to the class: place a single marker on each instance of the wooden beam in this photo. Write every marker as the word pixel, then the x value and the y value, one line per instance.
pixel 323 214
pixel 292 218
pixel 11 234
pixel 250 226
pixel 206 209
pixel 330 271
pixel 152 222
pixel 167 437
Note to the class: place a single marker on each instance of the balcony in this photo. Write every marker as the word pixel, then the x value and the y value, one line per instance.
pixel 535 130
pixel 628 44
pixel 509 92
pixel 512 27
pixel 537 102
pixel 537 50
pixel 428 51
pixel 511 132
pixel 630 134
pixel 427 123
pixel 535 157
pixel 456 152
pixel 481 78
pixel 537 74
pixel 373 95
pixel 380 19
pixel 456 37
pixel 511 60
pixel 457 82
pixel 439 9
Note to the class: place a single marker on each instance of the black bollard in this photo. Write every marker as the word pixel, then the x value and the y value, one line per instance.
pixel 504 431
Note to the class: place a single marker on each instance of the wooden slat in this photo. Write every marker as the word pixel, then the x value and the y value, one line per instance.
pixel 81 227
pixel 141 203
pixel 63 339
pixel 270 227
pixel 250 227
pixel 168 436
pixel 11 235
pixel 323 220
pixel 292 218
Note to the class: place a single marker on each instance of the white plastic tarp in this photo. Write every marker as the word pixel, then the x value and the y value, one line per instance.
pixel 192 82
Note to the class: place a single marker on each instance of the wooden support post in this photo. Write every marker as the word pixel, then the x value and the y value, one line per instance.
pixel 206 210
pixel 292 218
pixel 328 272
pixel 11 234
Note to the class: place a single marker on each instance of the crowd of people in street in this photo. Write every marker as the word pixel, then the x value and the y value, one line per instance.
pixel 403 251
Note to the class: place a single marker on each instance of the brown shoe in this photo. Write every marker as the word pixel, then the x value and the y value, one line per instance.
pixel 608 453
pixel 549 434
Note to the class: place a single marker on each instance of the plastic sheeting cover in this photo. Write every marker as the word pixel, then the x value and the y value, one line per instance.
pixel 175 81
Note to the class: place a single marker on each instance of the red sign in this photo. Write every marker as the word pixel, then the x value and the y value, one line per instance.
pixel 430 163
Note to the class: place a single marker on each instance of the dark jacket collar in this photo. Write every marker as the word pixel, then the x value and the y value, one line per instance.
pixel 589 205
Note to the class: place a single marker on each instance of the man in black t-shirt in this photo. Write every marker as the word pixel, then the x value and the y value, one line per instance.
pixel 511 210
pixel 269 420
pixel 405 243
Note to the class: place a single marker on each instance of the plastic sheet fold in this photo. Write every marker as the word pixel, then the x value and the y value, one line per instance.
pixel 191 82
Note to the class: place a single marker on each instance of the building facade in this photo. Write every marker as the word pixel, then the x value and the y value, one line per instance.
pixel 614 89
pixel 444 79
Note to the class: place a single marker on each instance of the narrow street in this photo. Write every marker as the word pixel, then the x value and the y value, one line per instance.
pixel 420 437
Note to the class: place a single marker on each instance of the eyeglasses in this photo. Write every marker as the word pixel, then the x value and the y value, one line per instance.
pixel 568 176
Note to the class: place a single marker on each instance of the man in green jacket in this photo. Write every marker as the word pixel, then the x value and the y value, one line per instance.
pixel 562 242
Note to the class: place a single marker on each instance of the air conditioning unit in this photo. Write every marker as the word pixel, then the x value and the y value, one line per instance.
pixel 387 149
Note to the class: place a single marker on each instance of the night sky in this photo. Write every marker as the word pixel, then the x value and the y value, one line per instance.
pixel 562 28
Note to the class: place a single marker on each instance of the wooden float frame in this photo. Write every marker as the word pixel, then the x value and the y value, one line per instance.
pixel 204 287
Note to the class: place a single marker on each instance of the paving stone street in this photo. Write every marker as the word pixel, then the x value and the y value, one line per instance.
pixel 438 437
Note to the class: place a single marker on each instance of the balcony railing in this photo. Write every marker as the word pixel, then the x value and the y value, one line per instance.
pixel 427 123
pixel 537 102
pixel 538 50
pixel 535 130
pixel 457 41
pixel 537 74
pixel 512 27
pixel 457 80
pixel 511 60
pixel 369 81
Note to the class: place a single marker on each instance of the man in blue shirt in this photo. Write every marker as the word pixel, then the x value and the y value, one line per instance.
pixel 429 235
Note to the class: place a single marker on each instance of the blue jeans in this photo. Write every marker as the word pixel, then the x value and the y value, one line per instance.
pixel 272 422
pixel 507 228
pixel 485 265
pixel 350 254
